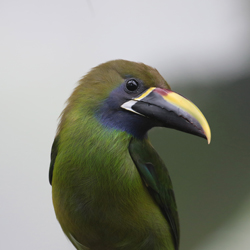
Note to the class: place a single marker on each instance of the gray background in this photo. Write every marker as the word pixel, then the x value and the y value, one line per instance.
pixel 202 50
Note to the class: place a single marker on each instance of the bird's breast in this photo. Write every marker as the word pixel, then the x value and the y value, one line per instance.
pixel 100 198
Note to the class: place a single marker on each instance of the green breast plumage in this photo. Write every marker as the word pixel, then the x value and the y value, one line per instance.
pixel 103 192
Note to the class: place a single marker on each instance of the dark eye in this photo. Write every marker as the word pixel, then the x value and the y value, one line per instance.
pixel 132 85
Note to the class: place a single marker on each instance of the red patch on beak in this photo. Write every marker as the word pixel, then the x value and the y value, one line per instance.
pixel 163 92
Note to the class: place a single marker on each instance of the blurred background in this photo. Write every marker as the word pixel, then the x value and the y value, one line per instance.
pixel 200 47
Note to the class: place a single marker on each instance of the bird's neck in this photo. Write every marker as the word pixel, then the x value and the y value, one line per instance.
pixel 96 149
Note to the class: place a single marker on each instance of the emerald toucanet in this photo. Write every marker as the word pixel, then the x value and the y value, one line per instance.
pixel 110 188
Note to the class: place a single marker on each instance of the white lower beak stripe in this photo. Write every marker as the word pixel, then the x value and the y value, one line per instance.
pixel 128 106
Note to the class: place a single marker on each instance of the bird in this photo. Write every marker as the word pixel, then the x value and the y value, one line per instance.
pixel 110 188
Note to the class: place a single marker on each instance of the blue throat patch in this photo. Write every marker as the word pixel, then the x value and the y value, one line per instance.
pixel 112 116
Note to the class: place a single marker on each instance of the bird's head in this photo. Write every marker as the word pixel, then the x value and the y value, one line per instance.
pixel 134 97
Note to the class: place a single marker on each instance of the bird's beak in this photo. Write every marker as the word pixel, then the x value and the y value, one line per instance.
pixel 170 110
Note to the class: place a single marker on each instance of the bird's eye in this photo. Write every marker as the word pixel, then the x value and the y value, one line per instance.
pixel 132 85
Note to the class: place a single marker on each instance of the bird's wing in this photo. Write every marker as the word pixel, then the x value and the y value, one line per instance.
pixel 53 155
pixel 157 180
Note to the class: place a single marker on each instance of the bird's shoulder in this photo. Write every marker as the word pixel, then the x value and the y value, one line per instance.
pixel 156 178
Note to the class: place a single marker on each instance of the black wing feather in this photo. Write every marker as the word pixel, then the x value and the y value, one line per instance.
pixel 53 155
